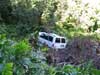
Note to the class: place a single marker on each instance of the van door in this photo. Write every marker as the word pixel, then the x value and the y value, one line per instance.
pixel 57 43
pixel 60 43
pixel 50 41
pixel 63 42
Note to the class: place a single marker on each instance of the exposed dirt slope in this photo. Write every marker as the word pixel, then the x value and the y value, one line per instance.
pixel 78 51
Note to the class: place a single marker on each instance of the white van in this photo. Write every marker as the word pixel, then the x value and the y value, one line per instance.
pixel 52 40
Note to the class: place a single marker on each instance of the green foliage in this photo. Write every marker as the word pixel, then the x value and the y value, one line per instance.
pixel 24 60
pixel 8 69
pixel 5 11
pixel 25 17
pixel 95 72
pixel 19 59
pixel 67 70
pixel 19 18
pixel 86 69
pixel 21 48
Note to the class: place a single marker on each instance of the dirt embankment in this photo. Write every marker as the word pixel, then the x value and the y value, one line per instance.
pixel 78 51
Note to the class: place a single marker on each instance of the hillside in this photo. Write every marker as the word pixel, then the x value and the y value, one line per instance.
pixel 76 20
pixel 78 52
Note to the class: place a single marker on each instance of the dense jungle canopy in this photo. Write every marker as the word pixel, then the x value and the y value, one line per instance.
pixel 28 16
pixel 77 20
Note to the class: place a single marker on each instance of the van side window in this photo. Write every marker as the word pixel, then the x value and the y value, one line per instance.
pixel 63 40
pixel 46 37
pixel 57 40
pixel 50 38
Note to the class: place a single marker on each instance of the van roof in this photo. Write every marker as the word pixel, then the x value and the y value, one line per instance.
pixel 53 35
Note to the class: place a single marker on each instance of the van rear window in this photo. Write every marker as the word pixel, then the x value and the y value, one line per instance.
pixel 57 40
pixel 62 40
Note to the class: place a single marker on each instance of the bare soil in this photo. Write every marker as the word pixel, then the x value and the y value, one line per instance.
pixel 77 51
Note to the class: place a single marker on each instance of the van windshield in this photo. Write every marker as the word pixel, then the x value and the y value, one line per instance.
pixel 44 36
